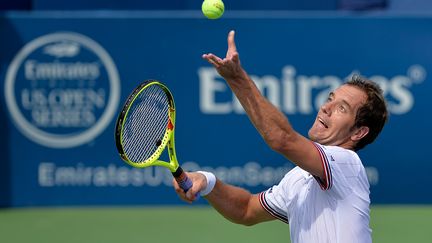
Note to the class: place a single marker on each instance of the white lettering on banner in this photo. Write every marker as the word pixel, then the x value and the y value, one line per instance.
pixel 251 174
pixel 56 70
pixel 51 175
pixel 373 175
pixel 209 86
pixel 62 90
pixel 63 107
pixel 300 94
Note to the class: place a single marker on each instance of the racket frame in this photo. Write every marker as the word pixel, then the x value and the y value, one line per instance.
pixel 167 140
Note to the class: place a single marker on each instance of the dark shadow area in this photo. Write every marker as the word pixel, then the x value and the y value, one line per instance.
pixel 10 43
pixel 16 5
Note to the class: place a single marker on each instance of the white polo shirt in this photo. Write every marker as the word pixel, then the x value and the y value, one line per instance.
pixel 335 210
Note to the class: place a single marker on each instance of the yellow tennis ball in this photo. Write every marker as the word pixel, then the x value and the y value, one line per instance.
pixel 213 9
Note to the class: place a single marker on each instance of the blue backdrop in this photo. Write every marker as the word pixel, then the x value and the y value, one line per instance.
pixel 65 75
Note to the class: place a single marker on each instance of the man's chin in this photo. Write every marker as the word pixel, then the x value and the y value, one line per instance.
pixel 312 137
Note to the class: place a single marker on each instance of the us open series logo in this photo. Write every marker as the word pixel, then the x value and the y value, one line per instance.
pixel 62 90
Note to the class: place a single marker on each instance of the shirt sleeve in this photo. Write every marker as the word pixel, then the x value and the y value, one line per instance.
pixel 341 168
pixel 273 201
pixel 326 182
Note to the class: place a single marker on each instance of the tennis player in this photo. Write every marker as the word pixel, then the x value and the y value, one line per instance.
pixel 325 198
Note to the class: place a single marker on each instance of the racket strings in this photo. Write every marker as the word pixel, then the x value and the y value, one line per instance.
pixel 138 138
pixel 153 130
pixel 146 124
pixel 146 128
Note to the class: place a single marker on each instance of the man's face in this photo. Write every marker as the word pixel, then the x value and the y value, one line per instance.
pixel 335 119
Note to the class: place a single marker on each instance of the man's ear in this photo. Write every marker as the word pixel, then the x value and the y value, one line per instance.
pixel 360 133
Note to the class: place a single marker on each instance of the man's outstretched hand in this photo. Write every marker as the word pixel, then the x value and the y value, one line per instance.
pixel 229 67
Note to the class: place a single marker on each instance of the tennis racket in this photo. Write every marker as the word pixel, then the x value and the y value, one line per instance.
pixel 145 127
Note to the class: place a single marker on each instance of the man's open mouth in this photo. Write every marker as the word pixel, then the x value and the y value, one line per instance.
pixel 322 122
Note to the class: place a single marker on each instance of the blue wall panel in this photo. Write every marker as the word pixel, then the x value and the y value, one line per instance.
pixel 64 78
pixel 184 5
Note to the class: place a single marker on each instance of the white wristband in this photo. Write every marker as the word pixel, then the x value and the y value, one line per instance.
pixel 211 182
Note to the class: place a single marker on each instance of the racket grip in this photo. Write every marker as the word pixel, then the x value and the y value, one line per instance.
pixel 183 180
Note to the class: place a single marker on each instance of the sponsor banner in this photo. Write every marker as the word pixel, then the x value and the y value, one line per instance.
pixel 65 78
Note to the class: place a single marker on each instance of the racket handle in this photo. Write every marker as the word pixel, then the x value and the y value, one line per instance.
pixel 183 180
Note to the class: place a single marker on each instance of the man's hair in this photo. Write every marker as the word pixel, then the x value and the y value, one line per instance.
pixel 373 114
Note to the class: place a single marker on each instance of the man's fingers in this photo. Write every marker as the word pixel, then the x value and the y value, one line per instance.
pixel 181 193
pixel 194 190
pixel 213 63
pixel 213 59
pixel 231 43
pixel 191 195
pixel 235 57
pixel 176 186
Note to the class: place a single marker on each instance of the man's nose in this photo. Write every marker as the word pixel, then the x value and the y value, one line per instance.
pixel 326 108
